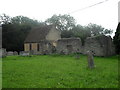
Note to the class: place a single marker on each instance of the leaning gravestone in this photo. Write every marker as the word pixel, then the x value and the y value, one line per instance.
pixel 10 53
pixel 90 59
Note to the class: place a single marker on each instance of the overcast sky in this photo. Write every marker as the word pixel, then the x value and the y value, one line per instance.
pixel 105 14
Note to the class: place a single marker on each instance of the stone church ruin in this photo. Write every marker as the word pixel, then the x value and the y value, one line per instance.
pixel 69 45
pixel 100 45
pixel 47 40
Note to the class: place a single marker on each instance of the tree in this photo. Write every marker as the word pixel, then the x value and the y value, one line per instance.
pixel 98 30
pixel 5 19
pixel 13 36
pixel 87 31
pixel 67 34
pixel 15 30
pixel 116 39
pixel 62 22
pixel 81 32
pixel 22 20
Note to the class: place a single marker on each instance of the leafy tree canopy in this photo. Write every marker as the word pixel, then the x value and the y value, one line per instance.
pixel 15 30
pixel 62 22
pixel 97 30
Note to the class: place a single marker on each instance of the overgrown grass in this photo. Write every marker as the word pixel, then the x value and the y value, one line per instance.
pixel 59 71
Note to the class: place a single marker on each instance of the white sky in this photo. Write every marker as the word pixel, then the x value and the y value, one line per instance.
pixel 105 14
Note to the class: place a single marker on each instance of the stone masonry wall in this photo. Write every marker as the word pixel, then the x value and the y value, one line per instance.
pixel 69 45
pixel 100 45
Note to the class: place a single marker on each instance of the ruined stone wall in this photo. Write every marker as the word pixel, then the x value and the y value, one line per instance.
pixel 100 45
pixel 45 47
pixel 69 45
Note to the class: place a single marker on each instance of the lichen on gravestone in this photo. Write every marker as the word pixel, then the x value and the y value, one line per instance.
pixel 90 59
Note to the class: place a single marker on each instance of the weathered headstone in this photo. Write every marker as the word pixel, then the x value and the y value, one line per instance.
pixel 10 53
pixel 90 59
pixel 15 53
pixel 24 53
pixel 4 53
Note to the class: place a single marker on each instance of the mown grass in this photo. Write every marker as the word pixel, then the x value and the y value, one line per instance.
pixel 59 71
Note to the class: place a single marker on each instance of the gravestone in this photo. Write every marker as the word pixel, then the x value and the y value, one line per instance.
pixel 90 59
pixel 24 53
pixel 2 52
pixel 10 53
pixel 15 53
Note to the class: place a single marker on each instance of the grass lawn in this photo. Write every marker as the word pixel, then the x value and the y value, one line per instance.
pixel 59 72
